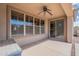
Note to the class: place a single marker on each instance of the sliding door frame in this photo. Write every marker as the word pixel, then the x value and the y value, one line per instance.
pixel 55 27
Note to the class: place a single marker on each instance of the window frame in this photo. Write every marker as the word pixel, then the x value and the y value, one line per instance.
pixel 24 34
pixel 16 20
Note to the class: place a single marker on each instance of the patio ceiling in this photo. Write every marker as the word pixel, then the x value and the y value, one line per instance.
pixel 58 9
pixel 68 9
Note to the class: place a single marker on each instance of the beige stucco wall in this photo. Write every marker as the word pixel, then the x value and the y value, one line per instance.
pixel 2 21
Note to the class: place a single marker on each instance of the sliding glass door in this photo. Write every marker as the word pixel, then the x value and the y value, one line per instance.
pixel 52 29
pixel 57 28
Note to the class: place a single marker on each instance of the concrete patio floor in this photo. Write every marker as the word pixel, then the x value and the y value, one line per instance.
pixel 72 52
pixel 49 48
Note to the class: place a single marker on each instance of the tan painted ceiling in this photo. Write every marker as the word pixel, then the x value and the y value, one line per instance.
pixel 68 9
pixel 35 8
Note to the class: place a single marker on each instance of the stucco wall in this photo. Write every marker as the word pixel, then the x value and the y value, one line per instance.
pixel 2 21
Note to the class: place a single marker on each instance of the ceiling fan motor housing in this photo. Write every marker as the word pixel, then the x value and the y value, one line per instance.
pixel 44 8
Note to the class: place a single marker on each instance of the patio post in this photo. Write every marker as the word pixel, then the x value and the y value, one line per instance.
pixel 69 29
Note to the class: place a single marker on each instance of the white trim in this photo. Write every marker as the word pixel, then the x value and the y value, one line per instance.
pixel 33 26
pixel 49 28
pixel 40 26
pixel 9 22
pixel 24 26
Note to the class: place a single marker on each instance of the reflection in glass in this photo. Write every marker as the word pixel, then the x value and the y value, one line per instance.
pixel 17 29
pixel 37 30
pixel 60 25
pixel 17 23
pixel 29 24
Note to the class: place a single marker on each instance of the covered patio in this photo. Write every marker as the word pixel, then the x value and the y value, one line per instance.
pixel 29 27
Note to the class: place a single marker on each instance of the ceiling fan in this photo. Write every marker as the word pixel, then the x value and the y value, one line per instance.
pixel 45 10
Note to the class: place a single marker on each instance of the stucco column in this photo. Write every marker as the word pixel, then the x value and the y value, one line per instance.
pixel 69 29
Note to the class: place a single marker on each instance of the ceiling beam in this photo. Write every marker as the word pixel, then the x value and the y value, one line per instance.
pixel 68 9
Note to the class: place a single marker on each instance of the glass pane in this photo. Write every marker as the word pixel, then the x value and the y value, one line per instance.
pixel 37 22
pixel 21 18
pixel 52 29
pixel 42 22
pixel 17 22
pixel 29 24
pixel 42 26
pixel 42 29
pixel 14 17
pixel 29 29
pixel 59 25
pixel 17 29
pixel 37 31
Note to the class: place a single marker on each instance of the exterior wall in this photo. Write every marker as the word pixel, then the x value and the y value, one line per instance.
pixel 2 21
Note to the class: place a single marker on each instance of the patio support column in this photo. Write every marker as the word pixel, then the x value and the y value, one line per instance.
pixel 69 29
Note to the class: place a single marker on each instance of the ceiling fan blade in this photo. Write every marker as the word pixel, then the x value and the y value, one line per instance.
pixel 49 10
pixel 40 12
pixel 49 13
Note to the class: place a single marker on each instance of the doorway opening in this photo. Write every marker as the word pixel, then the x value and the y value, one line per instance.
pixel 57 30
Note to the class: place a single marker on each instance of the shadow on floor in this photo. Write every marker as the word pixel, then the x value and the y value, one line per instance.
pixel 32 44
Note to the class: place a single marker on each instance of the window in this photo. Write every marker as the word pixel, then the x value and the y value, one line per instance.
pixel 37 26
pixel 17 23
pixel 29 24
pixel 42 26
